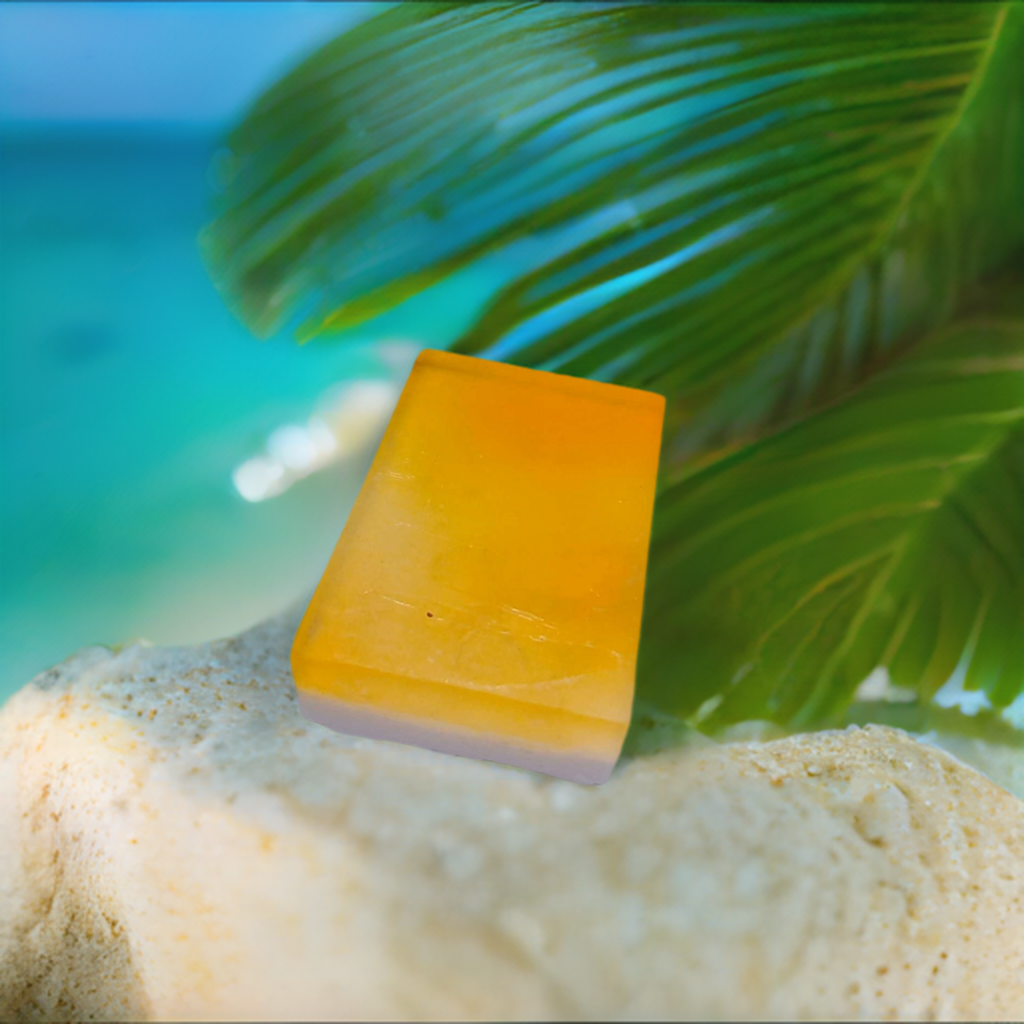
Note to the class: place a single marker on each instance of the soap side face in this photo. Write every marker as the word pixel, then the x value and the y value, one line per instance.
pixel 488 586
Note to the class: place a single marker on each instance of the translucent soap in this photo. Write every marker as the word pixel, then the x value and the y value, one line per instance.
pixel 485 596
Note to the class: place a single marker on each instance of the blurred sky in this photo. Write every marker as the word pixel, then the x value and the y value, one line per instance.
pixel 193 64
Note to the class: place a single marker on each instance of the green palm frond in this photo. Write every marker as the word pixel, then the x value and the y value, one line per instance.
pixel 961 219
pixel 887 530
pixel 775 215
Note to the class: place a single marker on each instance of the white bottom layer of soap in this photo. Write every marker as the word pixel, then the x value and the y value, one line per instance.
pixel 355 720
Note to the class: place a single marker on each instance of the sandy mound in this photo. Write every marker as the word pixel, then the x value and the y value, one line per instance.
pixel 177 842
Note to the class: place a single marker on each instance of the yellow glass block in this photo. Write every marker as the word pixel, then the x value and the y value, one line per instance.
pixel 484 598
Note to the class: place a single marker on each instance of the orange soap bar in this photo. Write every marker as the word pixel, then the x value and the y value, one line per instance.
pixel 485 596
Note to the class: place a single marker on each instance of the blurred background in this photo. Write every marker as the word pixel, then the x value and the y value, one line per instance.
pixel 163 474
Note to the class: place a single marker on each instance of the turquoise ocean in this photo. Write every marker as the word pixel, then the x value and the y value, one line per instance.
pixel 129 394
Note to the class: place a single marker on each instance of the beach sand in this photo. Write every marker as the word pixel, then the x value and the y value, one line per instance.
pixel 177 842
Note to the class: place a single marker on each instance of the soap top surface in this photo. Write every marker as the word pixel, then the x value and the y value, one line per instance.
pixel 499 543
